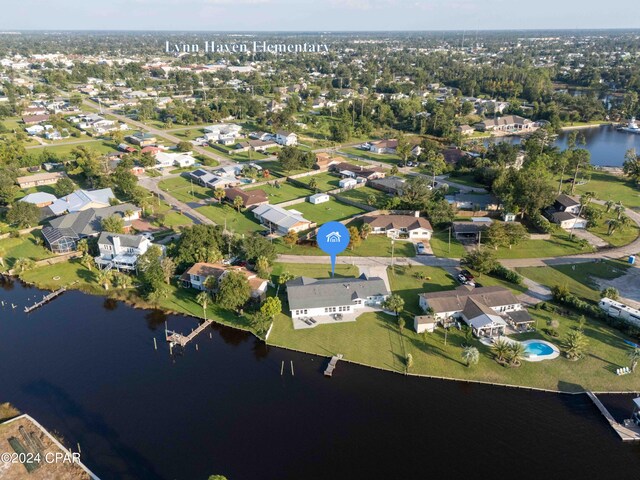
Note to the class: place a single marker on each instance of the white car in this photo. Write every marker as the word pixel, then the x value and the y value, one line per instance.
pixel 420 248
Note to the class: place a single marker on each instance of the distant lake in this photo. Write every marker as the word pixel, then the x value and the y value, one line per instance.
pixel 606 144
pixel 86 368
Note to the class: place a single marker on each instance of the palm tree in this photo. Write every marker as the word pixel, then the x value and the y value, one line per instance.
pixel 203 300
pixel 515 354
pixel 609 204
pixel 23 264
pixel 575 344
pixel 365 230
pixel 122 280
pixel 471 355
pixel 586 198
pixel 501 350
pixel 634 356
pixel 284 278
pixel 219 194
pixel 619 209
pixel 238 203
pixel 104 278
pixel 394 303
pixel 613 225
pixel 624 222
pixel 313 183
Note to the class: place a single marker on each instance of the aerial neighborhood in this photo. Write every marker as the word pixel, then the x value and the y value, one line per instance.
pixel 480 222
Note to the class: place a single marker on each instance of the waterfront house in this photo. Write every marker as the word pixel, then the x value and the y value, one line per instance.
pixel 279 220
pixel 487 310
pixel 400 226
pixel 120 251
pixel 63 233
pixel 196 277
pixel 250 198
pixel 509 123
pixel 40 179
pixel 310 297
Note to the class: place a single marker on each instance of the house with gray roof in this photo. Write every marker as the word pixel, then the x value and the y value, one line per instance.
pixel 311 298
pixel 279 220
pixel 487 310
pixel 120 251
pixel 63 233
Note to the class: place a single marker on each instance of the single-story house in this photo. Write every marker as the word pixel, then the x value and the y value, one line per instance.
pixel 309 297
pixel 35 129
pixel 384 146
pixel 474 201
pixel 63 233
pixel 255 145
pixel 33 119
pixel 368 172
pixel 196 277
pixel 39 179
pixel 82 200
pixel 325 160
pixel 279 220
pixel 39 199
pixel 120 251
pixel 286 138
pixel 348 182
pixel 486 309
pixel 568 221
pixel 469 230
pixel 181 160
pixel 142 139
pixel 400 226
pixel 392 185
pixel 250 198
pixel 319 198
pixel 508 123
pixel 465 130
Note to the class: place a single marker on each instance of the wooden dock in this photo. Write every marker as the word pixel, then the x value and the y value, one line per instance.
pixel 45 299
pixel 627 432
pixel 176 338
pixel 332 365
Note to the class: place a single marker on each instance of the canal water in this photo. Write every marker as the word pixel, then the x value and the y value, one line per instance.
pixel 86 368
pixel 606 144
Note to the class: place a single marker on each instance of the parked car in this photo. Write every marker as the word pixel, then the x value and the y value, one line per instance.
pixel 467 274
pixel 420 248
pixel 400 164
pixel 409 164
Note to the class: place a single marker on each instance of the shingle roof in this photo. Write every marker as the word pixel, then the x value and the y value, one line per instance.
pixel 279 216
pixel 88 222
pixel 566 201
pixel 304 292
pixel 249 197
pixel 398 221
pixel 132 241
pixel 456 300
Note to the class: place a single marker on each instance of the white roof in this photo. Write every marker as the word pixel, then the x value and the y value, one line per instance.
pixel 279 216
pixel 484 320
pixel 317 195
pixel 76 201
pixel 39 197
pixel 481 219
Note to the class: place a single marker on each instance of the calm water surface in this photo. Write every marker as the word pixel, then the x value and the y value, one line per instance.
pixel 86 368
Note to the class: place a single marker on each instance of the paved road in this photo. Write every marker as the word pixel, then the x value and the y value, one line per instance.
pixel 425 260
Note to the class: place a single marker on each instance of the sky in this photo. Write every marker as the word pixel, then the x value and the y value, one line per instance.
pixel 315 15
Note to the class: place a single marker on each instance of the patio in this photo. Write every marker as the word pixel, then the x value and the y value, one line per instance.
pixel 311 322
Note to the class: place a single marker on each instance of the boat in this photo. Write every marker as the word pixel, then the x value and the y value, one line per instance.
pixel 632 127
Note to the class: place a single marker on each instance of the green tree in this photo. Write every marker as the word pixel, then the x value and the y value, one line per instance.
pixel 271 307
pixel 354 237
pixel 255 246
pixel 219 194
pixel 481 260
pixel 291 238
pixel 23 264
pixel 203 300
pixel 515 354
pixel 409 361
pixel 283 279
pixel 471 355
pixel 394 303
pixel 23 215
pixel 64 187
pixel 631 165
pixel 8 187
pixel 500 349
pixel 365 230
pixel 634 357
pixel 184 146
pixel 575 344
pixel 113 224
pixel 313 183
pixel 263 267
pixel 610 292
pixel 103 277
pixel 238 203
pixel 233 291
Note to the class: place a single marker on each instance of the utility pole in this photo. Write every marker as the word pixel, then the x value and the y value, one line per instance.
pixel 479 237
pixel 449 239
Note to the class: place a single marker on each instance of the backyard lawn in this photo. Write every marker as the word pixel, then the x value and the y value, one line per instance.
pixel 239 222
pixel 313 270
pixel 411 281
pixel 325 181
pixel 376 157
pixel 373 246
pixel 440 246
pixel 362 195
pixel 466 180
pixel 612 187
pixel 99 146
pixel 620 236
pixel 24 246
pixel 185 190
pixel 326 212
pixel 283 192
pixel 578 277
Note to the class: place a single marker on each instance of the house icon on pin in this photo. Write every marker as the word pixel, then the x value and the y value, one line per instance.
pixel 333 237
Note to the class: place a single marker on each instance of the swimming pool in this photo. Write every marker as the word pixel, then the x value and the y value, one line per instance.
pixel 537 350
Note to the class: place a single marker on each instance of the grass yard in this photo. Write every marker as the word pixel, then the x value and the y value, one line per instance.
pixel 239 222
pixel 184 190
pixel 283 193
pixel 373 246
pixel 619 237
pixel 405 281
pixel 362 195
pixel 466 180
pixel 325 181
pixel 275 168
pixel 558 245
pixel 376 157
pixel 25 246
pixel 99 146
pixel 326 212
pixel 374 339
pixel 312 270
pixel 440 246
pixel 578 277
pixel 612 187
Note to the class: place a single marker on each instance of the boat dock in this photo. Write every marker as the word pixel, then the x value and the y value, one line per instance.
pixel 328 372
pixel 175 338
pixel 627 432
pixel 45 299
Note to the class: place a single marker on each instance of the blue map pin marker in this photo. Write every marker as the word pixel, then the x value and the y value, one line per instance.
pixel 333 238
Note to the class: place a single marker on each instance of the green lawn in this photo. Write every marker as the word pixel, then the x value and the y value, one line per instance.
pixel 467 180
pixel 362 195
pixel 373 246
pixel 440 245
pixel 558 245
pixel 185 190
pixel 578 277
pixel 382 157
pixel 239 222
pixel 619 237
pixel 275 168
pixel 612 187
pixel 99 146
pixel 374 339
pixel 312 270
pixel 24 246
pixel 325 181
pixel 284 192
pixel 405 282
pixel 326 212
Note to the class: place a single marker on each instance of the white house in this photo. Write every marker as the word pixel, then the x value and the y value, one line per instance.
pixel 348 182
pixel 35 129
pixel 120 251
pixel 620 310
pixel 487 310
pixel 286 138
pixel 310 297
pixel 319 198
pixel 400 226
pixel 568 221
pixel 280 220
pixel 181 160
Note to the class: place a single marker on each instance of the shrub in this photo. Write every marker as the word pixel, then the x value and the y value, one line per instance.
pixel 503 272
